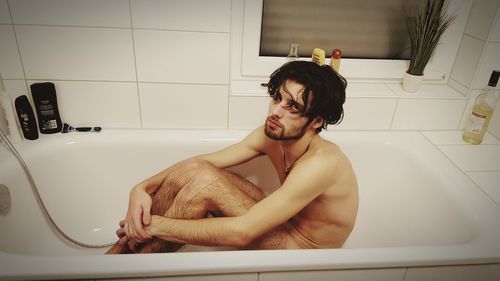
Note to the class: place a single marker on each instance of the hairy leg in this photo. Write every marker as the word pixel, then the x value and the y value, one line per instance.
pixel 197 189
pixel 213 191
pixel 178 176
pixel 187 178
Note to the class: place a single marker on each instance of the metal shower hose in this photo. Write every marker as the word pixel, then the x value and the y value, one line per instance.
pixel 39 199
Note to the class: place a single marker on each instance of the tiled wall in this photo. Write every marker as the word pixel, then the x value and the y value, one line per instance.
pixel 121 63
pixel 479 54
pixel 172 64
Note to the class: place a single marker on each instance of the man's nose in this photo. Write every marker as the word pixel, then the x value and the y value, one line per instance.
pixel 277 110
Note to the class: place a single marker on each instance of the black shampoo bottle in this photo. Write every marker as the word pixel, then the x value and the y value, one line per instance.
pixel 44 97
pixel 26 117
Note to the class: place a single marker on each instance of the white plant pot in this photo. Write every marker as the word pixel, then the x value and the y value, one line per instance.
pixel 412 83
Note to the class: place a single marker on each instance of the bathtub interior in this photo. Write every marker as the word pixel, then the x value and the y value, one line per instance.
pixel 404 185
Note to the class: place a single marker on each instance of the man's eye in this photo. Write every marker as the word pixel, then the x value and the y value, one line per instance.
pixel 295 107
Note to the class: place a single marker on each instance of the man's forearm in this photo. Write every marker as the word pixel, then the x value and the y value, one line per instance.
pixel 222 231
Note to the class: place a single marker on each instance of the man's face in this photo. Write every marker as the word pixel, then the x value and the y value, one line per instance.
pixel 284 121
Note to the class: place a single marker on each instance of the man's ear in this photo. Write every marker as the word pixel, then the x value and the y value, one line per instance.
pixel 318 122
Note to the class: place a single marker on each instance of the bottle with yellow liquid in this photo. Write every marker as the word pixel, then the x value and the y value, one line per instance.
pixel 482 111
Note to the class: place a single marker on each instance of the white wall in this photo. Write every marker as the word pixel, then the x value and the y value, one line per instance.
pixel 177 64
pixel 479 54
pixel 121 63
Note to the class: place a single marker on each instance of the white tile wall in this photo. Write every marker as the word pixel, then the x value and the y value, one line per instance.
pixel 179 53
pixel 76 53
pixel 368 90
pixel 494 126
pixel 428 114
pixel 182 57
pixel 457 86
pixel 489 182
pixel 108 13
pixel 247 112
pixel 473 158
pixel 96 52
pixel 483 28
pixel 185 15
pixel 481 18
pixel 454 137
pixel 467 60
pixel 105 104
pixel 183 106
pixel 10 65
pixel 426 91
pixel 4 12
pixel 490 62
pixel 495 36
pixel 16 88
pixel 367 113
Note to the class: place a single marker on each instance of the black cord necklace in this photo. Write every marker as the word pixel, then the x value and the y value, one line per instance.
pixel 289 168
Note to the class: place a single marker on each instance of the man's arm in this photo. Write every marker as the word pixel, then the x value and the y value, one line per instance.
pixel 138 213
pixel 245 150
pixel 306 181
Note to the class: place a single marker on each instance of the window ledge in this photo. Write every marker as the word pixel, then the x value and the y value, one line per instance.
pixel 359 90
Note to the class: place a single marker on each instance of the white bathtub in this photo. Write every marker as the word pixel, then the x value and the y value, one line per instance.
pixel 416 207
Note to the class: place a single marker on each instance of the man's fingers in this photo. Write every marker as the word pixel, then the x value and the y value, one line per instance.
pixel 146 216
pixel 123 240
pixel 120 232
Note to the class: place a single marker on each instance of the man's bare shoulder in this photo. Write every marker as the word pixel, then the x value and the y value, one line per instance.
pixel 327 151
pixel 333 163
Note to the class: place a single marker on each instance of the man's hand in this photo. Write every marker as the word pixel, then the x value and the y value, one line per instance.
pixel 138 216
pixel 153 228
pixel 123 238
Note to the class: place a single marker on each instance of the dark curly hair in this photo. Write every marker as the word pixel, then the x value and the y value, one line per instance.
pixel 323 82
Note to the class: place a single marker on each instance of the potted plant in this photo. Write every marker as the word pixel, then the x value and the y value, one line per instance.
pixel 425 27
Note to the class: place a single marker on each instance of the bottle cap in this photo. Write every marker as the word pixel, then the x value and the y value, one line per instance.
pixel 336 54
pixel 494 78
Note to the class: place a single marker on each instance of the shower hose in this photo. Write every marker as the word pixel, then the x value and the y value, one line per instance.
pixel 40 201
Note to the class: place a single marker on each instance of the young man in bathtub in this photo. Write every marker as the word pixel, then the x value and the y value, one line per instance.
pixel 315 207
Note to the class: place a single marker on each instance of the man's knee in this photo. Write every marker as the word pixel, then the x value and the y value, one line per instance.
pixel 200 170
pixel 194 166
pixel 185 172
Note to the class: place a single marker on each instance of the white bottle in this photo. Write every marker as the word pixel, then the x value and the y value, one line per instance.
pixel 8 122
pixel 482 111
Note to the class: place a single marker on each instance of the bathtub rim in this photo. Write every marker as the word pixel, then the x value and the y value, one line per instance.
pixel 393 137
pixel 44 267
pixel 20 267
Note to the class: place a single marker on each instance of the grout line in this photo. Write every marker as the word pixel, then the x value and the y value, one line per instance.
pixel 229 88
pixel 406 272
pixel 120 81
pixel 394 115
pixel 19 53
pixel 438 147
pixel 135 65
pixel 481 188
pixel 119 27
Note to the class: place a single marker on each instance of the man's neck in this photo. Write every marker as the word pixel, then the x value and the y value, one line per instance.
pixel 294 149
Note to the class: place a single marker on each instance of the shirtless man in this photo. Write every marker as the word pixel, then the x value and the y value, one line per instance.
pixel 315 207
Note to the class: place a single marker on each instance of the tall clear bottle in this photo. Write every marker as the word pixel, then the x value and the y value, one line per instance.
pixel 482 111
pixel 293 55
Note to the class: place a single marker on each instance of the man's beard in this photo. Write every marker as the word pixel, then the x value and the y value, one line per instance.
pixel 295 135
